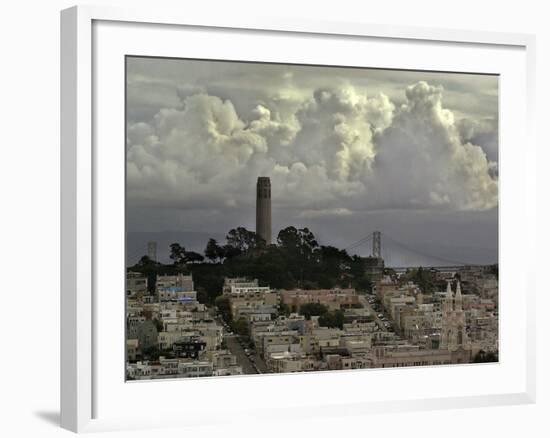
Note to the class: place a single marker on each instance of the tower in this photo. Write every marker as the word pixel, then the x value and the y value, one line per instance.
pixel 453 323
pixel 152 250
pixel 263 208
pixel 377 244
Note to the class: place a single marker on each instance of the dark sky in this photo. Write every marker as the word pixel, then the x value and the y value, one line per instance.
pixel 349 151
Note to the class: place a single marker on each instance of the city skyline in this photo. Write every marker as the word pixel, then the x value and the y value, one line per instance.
pixel 348 151
pixel 323 219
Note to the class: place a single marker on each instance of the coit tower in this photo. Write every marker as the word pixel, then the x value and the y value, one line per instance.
pixel 263 208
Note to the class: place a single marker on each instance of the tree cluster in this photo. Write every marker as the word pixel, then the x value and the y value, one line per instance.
pixel 181 257
pixel 327 318
pixel 296 260
pixel 484 357
pixel 426 279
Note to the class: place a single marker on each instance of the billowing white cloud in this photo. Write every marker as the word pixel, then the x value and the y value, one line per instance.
pixel 337 130
pixel 423 161
pixel 332 151
pixel 481 131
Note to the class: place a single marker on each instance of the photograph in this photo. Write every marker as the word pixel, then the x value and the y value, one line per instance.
pixel 288 218
pixel 279 220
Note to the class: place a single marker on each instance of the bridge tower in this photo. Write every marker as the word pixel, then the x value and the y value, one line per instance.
pixel 377 244
pixel 374 265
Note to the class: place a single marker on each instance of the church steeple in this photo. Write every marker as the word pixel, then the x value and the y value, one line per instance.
pixel 453 326
pixel 448 301
pixel 458 297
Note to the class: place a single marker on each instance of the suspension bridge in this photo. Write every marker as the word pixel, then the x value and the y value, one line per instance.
pixel 399 255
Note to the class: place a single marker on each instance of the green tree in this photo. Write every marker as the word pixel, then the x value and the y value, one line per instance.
pixel 149 268
pixel 145 262
pixel 177 254
pixel 299 248
pixel 202 295
pixel 151 353
pixel 193 257
pixel 230 251
pixel 326 281
pixel 333 260
pixel 213 251
pixel 209 277
pixel 224 307
pixel 484 357
pixel 390 272
pixel 424 278
pixel 284 309
pixel 271 267
pixel 158 324
pixel 313 309
pixel 298 241
pixel 493 269
pixel 333 319
pixel 244 240
pixel 240 326
pixel 363 284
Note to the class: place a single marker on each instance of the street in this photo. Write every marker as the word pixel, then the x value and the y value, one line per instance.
pixel 249 367
pixel 256 366
pixel 366 305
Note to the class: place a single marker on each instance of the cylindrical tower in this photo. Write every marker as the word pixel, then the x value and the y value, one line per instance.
pixel 263 208
pixel 152 250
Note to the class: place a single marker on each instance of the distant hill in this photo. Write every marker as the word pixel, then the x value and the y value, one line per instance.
pixel 191 240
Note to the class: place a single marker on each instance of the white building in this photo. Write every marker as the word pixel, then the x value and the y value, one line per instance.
pixel 453 324
pixel 239 282
pixel 183 282
pixel 136 283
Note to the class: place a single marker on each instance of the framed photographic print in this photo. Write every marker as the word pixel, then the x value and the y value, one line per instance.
pixel 282 207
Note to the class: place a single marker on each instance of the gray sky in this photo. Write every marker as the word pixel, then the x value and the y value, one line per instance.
pixel 349 151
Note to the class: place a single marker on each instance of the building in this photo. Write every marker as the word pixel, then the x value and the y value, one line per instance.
pixel 263 208
pixel 412 356
pixel 374 267
pixel 136 283
pixel 147 335
pixel 254 291
pixel 184 282
pixel 238 282
pixel 189 347
pixel 246 294
pixel 453 323
pixel 193 368
pixel 256 313
pixel 132 324
pixel 177 293
pixel 333 299
pixel 286 362
pixel 132 347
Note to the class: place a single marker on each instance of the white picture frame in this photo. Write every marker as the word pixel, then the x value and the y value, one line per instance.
pixel 81 193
